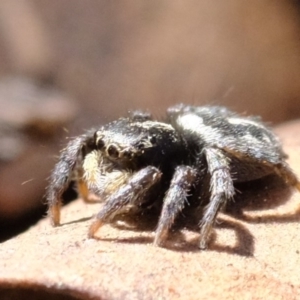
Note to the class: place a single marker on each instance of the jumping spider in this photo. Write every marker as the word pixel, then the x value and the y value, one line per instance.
pixel 138 160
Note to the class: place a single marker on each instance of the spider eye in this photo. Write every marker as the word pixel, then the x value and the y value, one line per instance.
pixel 112 151
pixel 141 146
pixel 153 139
pixel 127 154
pixel 100 143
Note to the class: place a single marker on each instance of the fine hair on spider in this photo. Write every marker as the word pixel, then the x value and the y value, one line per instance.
pixel 137 160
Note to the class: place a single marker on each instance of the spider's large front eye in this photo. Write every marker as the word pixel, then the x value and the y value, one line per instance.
pixel 153 139
pixel 141 146
pixel 113 151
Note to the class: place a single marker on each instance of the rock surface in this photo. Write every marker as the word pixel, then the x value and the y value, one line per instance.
pixel 254 255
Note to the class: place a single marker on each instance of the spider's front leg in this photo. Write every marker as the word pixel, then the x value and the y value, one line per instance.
pixel 221 187
pixel 62 175
pixel 130 193
pixel 174 201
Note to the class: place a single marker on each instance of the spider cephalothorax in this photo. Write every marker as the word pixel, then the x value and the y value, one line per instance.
pixel 128 161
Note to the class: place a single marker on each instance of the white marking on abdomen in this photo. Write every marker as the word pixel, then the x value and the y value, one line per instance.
pixel 195 124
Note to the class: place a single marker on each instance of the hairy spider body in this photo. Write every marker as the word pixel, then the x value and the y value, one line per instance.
pixel 133 159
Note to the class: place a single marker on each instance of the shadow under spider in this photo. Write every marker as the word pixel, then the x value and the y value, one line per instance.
pixel 77 221
pixel 264 194
pixel 177 240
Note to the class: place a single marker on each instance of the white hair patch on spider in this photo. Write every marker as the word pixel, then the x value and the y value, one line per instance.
pixel 194 157
pixel 193 123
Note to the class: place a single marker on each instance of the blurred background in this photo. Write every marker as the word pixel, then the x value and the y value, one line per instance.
pixel 70 65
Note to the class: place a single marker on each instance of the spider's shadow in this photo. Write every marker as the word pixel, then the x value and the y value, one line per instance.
pixel 177 239
pixel 258 196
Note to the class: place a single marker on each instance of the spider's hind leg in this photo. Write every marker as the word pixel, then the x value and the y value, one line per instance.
pixel 221 187
pixel 285 172
pixel 140 116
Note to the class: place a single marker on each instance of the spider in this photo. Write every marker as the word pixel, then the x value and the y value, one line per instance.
pixel 136 161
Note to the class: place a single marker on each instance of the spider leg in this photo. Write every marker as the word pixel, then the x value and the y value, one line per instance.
pixel 285 172
pixel 136 186
pixel 86 193
pixel 82 186
pixel 221 186
pixel 62 175
pixel 174 201
pixel 277 165
pixel 140 116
